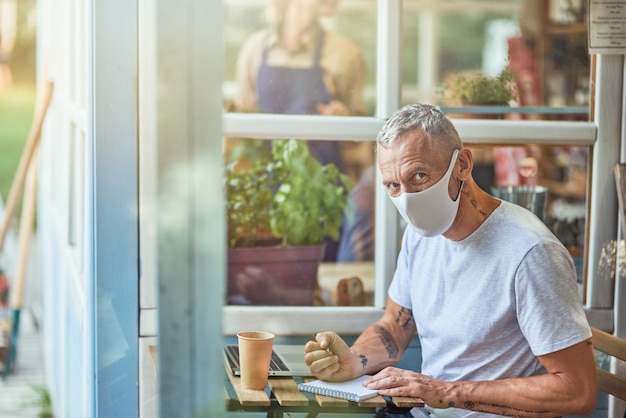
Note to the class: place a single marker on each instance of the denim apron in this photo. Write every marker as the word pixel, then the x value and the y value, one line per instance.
pixel 298 91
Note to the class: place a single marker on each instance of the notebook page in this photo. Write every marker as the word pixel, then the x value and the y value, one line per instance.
pixel 351 390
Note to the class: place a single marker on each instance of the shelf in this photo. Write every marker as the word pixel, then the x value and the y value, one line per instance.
pixel 579 28
pixel 536 110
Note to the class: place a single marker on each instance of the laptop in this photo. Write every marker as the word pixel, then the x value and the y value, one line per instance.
pixel 287 360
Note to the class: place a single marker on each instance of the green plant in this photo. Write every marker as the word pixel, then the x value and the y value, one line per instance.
pixel 287 195
pixel 41 399
pixel 477 88
pixel 16 116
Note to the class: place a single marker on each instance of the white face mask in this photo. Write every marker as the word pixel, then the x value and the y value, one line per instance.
pixel 430 211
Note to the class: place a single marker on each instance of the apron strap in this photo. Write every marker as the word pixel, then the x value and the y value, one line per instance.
pixel 266 44
pixel 318 49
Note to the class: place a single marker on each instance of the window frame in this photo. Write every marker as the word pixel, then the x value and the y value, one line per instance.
pixel 304 320
pixel 298 320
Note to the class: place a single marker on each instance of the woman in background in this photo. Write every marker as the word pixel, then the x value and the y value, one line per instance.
pixel 295 66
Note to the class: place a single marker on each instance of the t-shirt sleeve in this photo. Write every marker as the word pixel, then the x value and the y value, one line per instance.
pixel 549 309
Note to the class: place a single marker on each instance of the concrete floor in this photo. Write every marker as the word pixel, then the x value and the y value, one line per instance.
pixel 18 397
pixel 18 391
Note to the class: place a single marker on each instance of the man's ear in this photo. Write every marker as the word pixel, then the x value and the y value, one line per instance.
pixel 466 164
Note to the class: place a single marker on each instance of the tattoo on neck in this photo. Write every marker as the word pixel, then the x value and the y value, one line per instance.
pixel 481 211
pixel 388 342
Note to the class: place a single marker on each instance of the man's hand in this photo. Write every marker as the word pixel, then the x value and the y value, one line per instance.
pixel 568 388
pixel 392 381
pixel 329 358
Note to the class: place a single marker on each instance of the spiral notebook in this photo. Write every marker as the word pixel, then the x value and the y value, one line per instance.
pixel 352 390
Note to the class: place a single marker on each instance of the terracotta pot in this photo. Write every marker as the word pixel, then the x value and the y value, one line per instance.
pixel 273 275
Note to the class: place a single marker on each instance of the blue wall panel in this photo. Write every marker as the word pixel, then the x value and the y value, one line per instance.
pixel 74 366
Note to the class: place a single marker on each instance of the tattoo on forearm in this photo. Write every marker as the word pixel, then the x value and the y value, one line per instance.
pixel 405 317
pixel 507 411
pixel 388 342
pixel 443 404
pixel 363 360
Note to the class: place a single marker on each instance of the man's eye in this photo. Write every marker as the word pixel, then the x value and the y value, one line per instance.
pixel 420 176
pixel 393 189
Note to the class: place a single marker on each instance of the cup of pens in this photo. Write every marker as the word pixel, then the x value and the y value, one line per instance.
pixel 255 353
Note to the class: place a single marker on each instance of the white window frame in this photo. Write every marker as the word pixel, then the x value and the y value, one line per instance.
pixel 599 135
pixel 288 320
pixel 305 320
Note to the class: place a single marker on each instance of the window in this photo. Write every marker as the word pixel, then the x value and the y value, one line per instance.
pixel 416 47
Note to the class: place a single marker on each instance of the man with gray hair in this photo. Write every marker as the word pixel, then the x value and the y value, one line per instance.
pixel 488 289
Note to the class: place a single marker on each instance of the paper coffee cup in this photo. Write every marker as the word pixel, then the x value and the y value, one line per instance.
pixel 255 352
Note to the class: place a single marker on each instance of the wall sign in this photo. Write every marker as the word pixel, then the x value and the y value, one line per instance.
pixel 607 27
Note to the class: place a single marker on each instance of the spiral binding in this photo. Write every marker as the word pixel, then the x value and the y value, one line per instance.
pixel 328 392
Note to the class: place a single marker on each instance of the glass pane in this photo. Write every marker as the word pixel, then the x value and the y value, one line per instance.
pixel 454 57
pixel 323 62
pixel 548 180
pixel 560 169
pixel 288 212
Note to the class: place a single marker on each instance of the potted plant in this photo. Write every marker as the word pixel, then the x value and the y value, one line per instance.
pixel 474 88
pixel 281 204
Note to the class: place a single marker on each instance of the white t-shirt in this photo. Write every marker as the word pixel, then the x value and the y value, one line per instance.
pixel 485 306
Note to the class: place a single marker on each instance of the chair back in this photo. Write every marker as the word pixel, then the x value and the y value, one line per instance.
pixel 611 345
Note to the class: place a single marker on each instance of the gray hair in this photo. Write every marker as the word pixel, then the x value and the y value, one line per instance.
pixel 424 117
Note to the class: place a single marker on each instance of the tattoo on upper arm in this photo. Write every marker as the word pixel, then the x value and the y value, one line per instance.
pixel 388 342
pixel 405 317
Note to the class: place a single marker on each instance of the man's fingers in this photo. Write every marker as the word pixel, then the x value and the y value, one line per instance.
pixel 326 373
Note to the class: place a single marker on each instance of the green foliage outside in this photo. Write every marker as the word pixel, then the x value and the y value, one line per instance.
pixel 41 400
pixel 17 102
pixel 16 117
